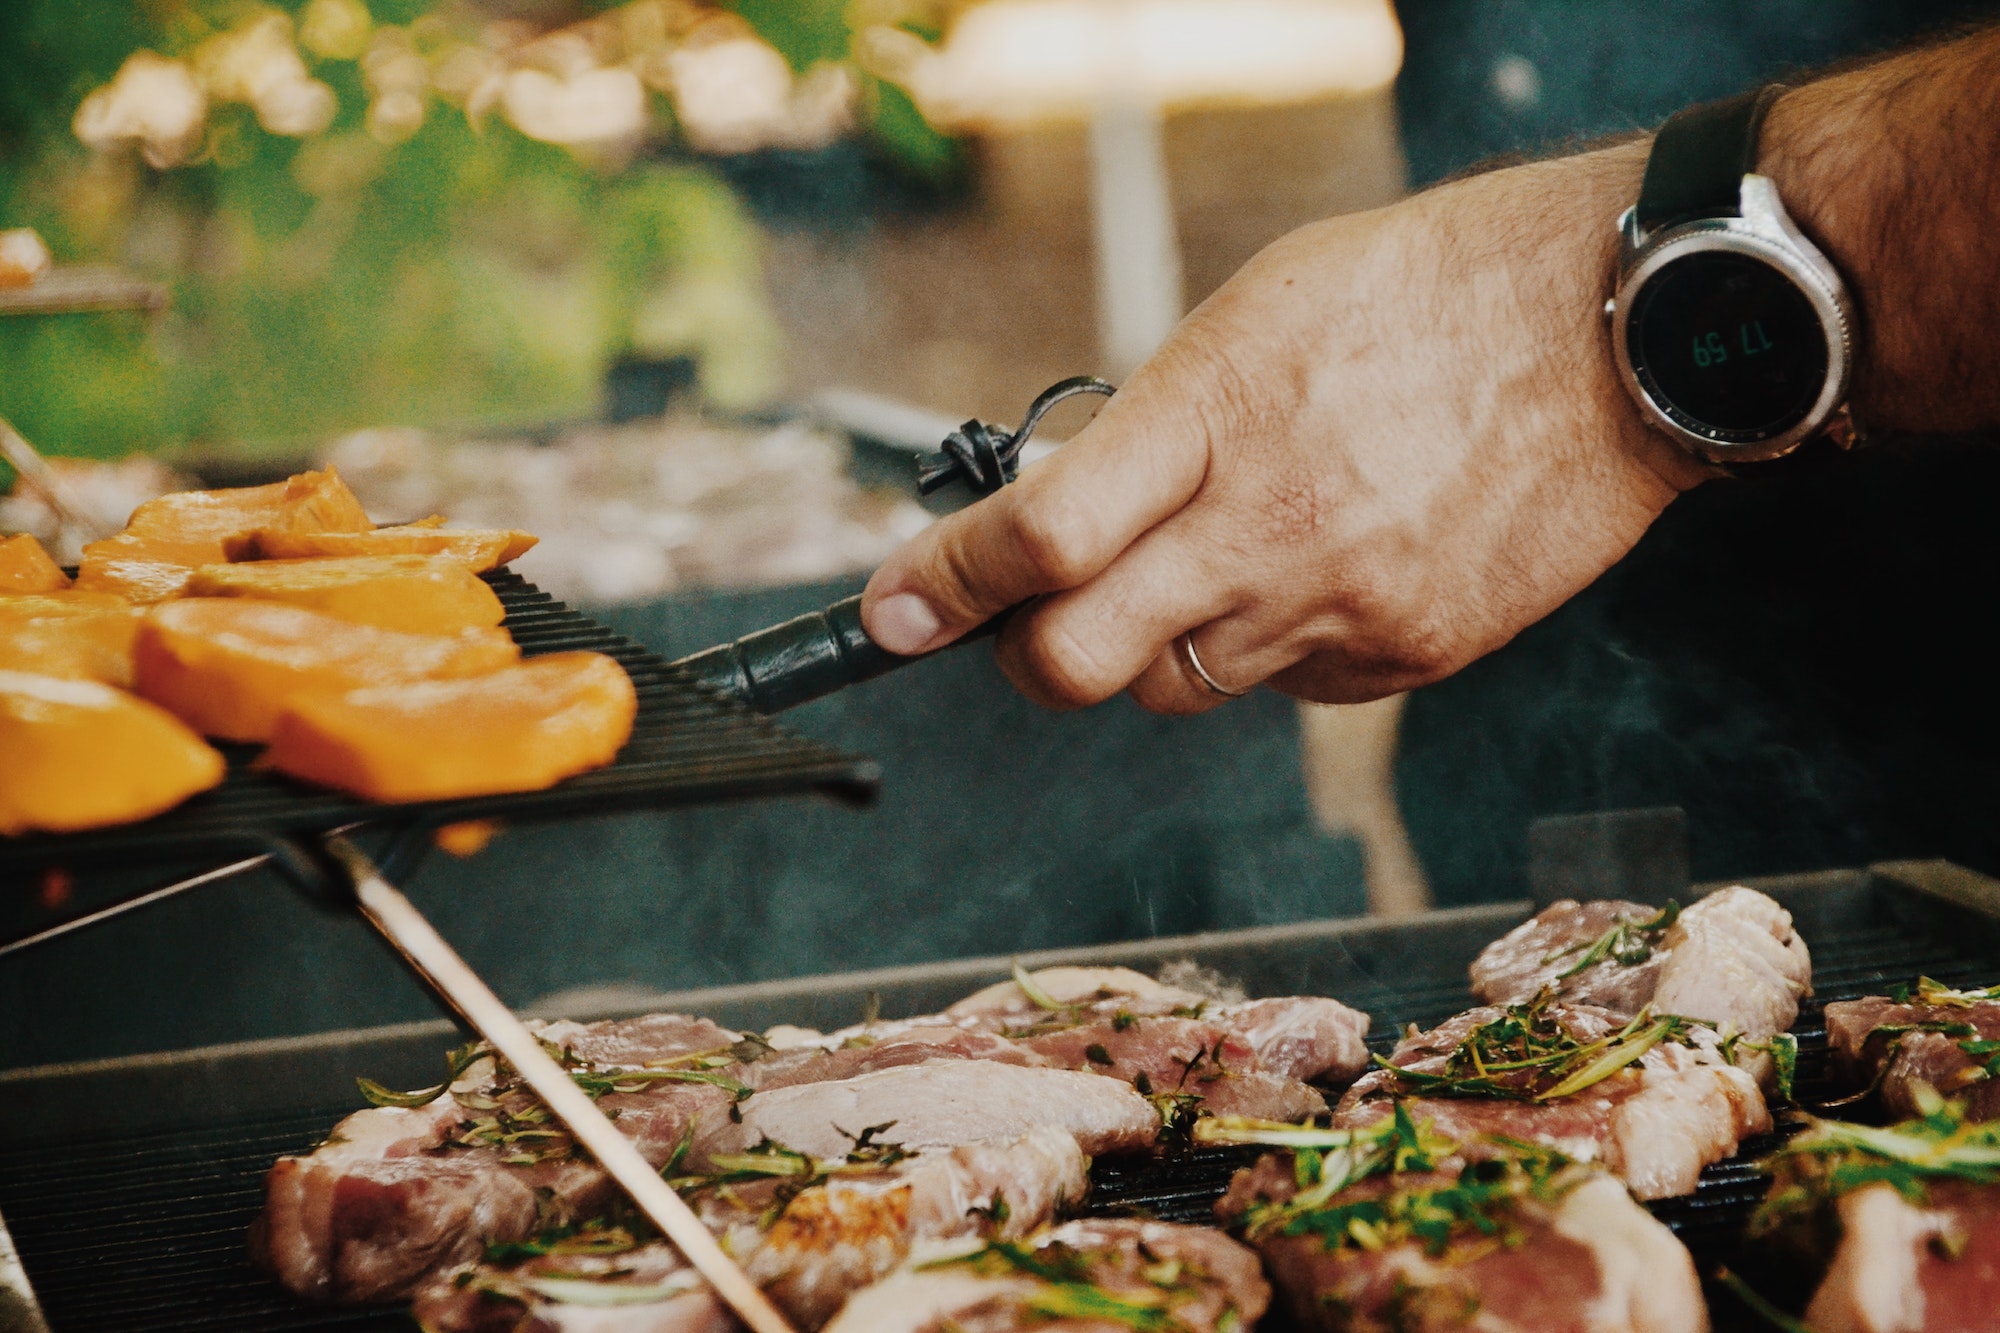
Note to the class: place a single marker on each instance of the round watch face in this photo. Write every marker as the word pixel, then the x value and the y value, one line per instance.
pixel 1727 346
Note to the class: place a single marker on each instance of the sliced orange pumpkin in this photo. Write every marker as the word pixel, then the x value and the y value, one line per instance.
pixel 229 665
pixel 420 594
pixel 74 635
pixel 519 729
pixel 81 755
pixel 167 539
pixel 308 502
pixel 26 567
pixel 143 569
pixel 480 548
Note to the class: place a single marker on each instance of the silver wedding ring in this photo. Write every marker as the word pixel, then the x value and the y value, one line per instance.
pixel 1194 661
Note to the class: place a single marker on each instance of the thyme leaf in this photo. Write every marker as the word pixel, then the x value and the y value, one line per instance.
pixel 1326 1161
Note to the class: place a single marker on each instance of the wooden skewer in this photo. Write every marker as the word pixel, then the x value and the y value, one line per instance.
pixel 412 936
pixel 35 472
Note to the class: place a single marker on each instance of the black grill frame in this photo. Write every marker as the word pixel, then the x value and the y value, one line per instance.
pixel 688 747
pixel 128 1191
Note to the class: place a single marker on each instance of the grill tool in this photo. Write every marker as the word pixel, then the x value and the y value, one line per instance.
pixel 788 664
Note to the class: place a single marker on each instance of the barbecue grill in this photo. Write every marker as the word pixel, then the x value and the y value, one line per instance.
pixel 128 1184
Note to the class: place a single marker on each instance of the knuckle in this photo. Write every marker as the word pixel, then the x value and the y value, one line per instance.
pixel 1066 672
pixel 1046 537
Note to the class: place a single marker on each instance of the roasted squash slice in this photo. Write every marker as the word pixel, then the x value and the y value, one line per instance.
pixel 519 729
pixel 228 666
pixel 81 755
pixel 420 594
pixel 75 635
pixel 167 539
pixel 26 567
pixel 480 548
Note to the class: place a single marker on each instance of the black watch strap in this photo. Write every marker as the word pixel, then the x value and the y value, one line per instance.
pixel 1700 158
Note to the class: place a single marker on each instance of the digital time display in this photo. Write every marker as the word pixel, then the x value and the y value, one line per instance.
pixel 1728 345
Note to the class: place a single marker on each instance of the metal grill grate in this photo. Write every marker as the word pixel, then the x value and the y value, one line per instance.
pixel 686 747
pixel 147 1233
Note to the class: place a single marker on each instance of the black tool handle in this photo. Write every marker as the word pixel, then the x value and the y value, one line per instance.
pixel 823 651
pixel 804 658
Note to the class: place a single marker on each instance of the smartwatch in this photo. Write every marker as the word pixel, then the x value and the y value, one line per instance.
pixel 1731 330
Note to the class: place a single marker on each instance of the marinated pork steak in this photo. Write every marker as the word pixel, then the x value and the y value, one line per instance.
pixel 1091 1276
pixel 1296 1036
pixel 589 1283
pixel 1513 1242
pixel 1938 1037
pixel 1732 959
pixel 808 1232
pixel 936 1105
pixel 1653 1100
pixel 397 1192
pixel 1248 1058
pixel 1910 1214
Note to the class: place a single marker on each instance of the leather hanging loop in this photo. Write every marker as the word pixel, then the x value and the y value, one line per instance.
pixel 986 457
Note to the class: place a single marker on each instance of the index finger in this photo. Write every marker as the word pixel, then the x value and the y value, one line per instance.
pixel 1062 523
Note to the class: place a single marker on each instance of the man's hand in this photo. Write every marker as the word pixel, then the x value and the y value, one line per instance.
pixel 1372 456
pixel 1395 440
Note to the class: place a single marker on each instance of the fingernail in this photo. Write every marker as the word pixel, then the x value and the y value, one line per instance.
pixel 904 623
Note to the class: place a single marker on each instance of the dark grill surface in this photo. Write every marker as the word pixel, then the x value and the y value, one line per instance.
pixel 686 747
pixel 147 1233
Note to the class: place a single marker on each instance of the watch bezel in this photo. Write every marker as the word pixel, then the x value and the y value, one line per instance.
pixel 1764 232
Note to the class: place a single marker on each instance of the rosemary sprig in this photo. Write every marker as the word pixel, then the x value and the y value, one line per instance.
pixel 1326 1161
pixel 1929 991
pixel 1479 1203
pixel 1071 1291
pixel 1627 943
pixel 456 1063
pixel 1526 1054
pixel 1833 1158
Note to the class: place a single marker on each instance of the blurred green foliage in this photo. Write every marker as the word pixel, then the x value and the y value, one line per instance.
pixel 467 275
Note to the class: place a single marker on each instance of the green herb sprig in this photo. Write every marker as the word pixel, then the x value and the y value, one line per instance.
pixel 1526 1054
pixel 1628 943
pixel 1833 1158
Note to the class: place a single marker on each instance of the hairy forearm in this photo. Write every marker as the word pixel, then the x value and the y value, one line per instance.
pixel 1894 170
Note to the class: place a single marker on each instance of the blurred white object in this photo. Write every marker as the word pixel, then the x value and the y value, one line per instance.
pixel 1122 65
pixel 152 101
pixel 23 257
pixel 635 511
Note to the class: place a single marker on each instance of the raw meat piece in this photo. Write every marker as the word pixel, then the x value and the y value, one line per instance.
pixel 1110 1274
pixel 808 1245
pixel 395 1194
pixel 1732 958
pixel 1940 1038
pixel 1907 1216
pixel 940 1104
pixel 1673 1108
pixel 630 1289
pixel 1512 1243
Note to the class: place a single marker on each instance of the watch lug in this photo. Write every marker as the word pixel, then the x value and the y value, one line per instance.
pixel 1764 211
pixel 1631 239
